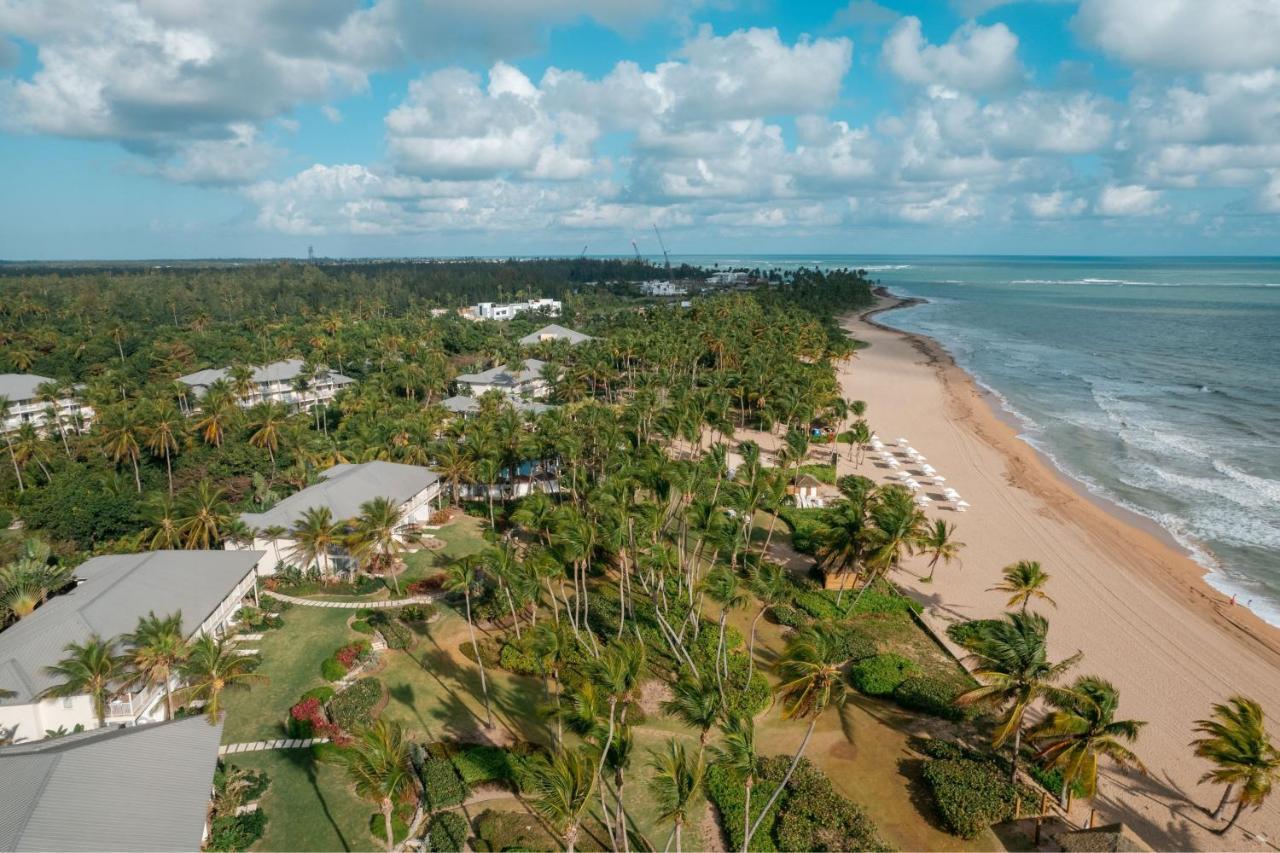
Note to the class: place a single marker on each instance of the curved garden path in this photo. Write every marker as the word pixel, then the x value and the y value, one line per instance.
pixel 352 605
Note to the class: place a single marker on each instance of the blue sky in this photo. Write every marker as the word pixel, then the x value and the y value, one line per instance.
pixel 248 128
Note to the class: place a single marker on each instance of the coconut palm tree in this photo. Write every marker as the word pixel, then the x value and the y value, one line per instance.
pixel 737 752
pixel 772 586
pixel 377 535
pixel 941 545
pixel 203 516
pixel 617 671
pixel 267 422
pixel 463 575
pixel 120 429
pixel 722 587
pixel 1024 580
pixel 1236 740
pixel 561 788
pixel 164 530
pixel 162 427
pixel 377 764
pixel 1011 661
pixel 674 784
pixel 696 704
pixel 155 651
pixel 5 405
pixel 94 667
pixel 313 536
pixel 213 666
pixel 811 682
pixel 1081 729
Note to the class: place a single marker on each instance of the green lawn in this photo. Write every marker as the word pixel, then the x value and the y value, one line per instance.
pixel 291 657
pixel 309 805
pixel 462 536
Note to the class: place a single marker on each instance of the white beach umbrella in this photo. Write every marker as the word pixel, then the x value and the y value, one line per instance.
pixel 923 500
pixel 902 442
pixel 961 506
pixel 939 479
pixel 893 463
pixel 913 485
pixel 929 469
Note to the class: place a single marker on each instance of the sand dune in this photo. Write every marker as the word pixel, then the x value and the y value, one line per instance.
pixel 1126 595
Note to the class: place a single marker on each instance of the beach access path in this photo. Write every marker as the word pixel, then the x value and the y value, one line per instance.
pixel 1126 595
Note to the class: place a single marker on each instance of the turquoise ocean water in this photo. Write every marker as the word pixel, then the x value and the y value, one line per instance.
pixel 1153 381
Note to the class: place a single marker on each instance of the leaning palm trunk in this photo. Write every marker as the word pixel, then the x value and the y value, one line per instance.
pixel 1235 815
pixel 386 821
pixel 781 785
pixel 1222 804
pixel 475 649
pixel 746 812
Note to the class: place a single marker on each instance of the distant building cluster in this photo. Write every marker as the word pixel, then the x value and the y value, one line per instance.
pixel 505 311
pixel 38 400
pixel 663 288
pixel 721 279
pixel 278 382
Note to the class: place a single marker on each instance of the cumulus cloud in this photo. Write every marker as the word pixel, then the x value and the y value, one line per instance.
pixel 1054 205
pixel 975 58
pixel 1127 200
pixel 1185 34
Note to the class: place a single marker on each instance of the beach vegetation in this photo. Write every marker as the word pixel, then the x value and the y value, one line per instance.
pixel 1245 758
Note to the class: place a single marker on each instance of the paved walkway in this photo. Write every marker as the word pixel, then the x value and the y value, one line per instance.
pixel 282 743
pixel 352 605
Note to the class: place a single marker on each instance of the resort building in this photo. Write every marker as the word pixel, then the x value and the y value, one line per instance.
pixel 113 592
pixel 499 311
pixel 22 390
pixel 280 382
pixel 554 333
pixel 470 406
pixel 342 490
pixel 662 288
pixel 726 278
pixel 141 788
pixel 527 383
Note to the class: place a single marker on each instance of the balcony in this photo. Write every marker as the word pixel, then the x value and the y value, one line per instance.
pixel 132 706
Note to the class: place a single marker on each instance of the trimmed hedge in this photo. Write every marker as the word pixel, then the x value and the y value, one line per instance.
pixel 785 614
pixel 971 790
pixel 355 705
pixel 332 670
pixel 446 833
pixel 932 695
pixel 516 658
pixel 442 785
pixel 397 634
pixel 360 626
pixel 854 643
pixel 880 675
pixel 378 826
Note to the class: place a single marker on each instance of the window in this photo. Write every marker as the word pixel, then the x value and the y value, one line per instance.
pixel 66 702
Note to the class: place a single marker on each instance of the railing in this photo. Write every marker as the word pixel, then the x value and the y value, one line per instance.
pixel 134 704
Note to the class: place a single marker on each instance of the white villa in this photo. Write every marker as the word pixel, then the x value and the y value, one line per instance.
pixel 527 383
pixel 469 406
pixel 554 333
pixel 26 407
pixel 662 288
pixel 277 382
pixel 499 311
pixel 113 592
pixel 343 488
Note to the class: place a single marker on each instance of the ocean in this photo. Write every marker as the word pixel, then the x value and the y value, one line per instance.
pixel 1153 381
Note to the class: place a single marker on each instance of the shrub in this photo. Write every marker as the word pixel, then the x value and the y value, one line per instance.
pixel 515 657
pixel 854 643
pixel 305 717
pixel 417 613
pixel 355 705
pixel 962 632
pixel 880 675
pixel 785 614
pixel 819 604
pixel 431 583
pixel 360 626
pixel 882 599
pixel 512 831
pixel 332 670
pixel 351 652
pixel 446 833
pixel 324 752
pixel 442 785
pixel 932 695
pixel 970 791
pixel 378 826
pixel 236 832
pixel 396 634
pixel 480 765
pixel 804 525
pixel 489 652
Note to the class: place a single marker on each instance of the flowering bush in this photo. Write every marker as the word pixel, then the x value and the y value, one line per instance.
pixel 350 653
pixel 307 717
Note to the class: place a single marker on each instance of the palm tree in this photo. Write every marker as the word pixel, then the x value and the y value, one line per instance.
pixel 161 430
pixel 213 666
pixel 1235 739
pixel 1011 658
pixel 1024 580
pixel 722 587
pixel 164 530
pixel 463 575
pixel 120 430
pixel 940 544
pixel 267 422
pixel 737 753
pixel 203 516
pixel 617 671
pixel 771 585
pixel 1081 729
pixel 313 536
pixel 675 781
pixel 697 705
pixel 8 440
pixel 812 681
pixel 155 651
pixel 93 667
pixel 377 764
pixel 377 533
pixel 562 788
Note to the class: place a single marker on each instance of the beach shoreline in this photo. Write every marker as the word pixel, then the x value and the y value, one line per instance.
pixel 1128 594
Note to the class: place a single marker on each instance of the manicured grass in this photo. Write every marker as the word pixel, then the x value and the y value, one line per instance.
pixel 309 804
pixel 461 536
pixel 291 657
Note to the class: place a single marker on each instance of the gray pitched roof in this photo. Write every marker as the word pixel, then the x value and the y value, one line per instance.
pixel 501 376
pixel 276 371
pixel 558 332
pixel 139 788
pixel 471 405
pixel 115 591
pixel 343 488
pixel 20 386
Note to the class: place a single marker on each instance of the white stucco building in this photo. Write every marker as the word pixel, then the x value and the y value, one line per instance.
pixel 277 382
pixel 505 311
pixel 342 489
pixel 662 288
pixel 113 592
pixel 526 383
pixel 22 390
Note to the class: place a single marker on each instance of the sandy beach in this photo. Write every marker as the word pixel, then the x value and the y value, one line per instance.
pixel 1126 595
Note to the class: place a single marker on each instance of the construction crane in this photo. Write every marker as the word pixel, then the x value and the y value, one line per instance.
pixel 583 253
pixel 637 248
pixel 663 245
